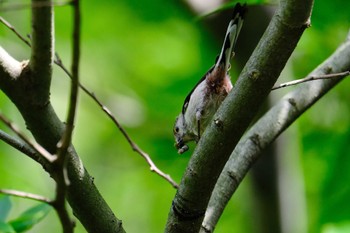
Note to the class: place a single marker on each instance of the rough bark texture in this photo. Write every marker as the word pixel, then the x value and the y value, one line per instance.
pixel 235 114
pixel 268 128
pixel 27 84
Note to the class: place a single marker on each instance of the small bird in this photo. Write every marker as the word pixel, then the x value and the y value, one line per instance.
pixel 205 98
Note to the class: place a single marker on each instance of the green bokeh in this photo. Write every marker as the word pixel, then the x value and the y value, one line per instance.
pixel 141 58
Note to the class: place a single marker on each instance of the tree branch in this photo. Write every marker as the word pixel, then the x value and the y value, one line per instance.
pixel 47 130
pixel 19 83
pixel 311 78
pixel 10 69
pixel 133 145
pixel 45 155
pixel 67 136
pixel 42 50
pixel 236 113
pixel 8 25
pixel 59 202
pixel 104 108
pixel 19 145
pixel 268 128
pixel 26 195
pixel 65 142
pixel 61 212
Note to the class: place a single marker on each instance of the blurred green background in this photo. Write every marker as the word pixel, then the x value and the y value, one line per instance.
pixel 142 58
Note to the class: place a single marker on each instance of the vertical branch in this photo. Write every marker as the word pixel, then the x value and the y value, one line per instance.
pixel 42 49
pixel 67 136
pixel 22 84
pixel 61 162
pixel 104 108
pixel 75 64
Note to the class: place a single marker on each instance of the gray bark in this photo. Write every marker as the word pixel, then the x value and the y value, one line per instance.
pixel 235 114
pixel 268 128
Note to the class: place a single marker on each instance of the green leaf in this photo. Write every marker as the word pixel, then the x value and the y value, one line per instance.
pixel 30 217
pixel 5 207
pixel 6 228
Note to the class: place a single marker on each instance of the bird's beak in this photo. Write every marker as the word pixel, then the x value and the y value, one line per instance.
pixel 181 146
pixel 179 143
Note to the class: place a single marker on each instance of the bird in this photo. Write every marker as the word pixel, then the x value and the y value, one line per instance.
pixel 206 96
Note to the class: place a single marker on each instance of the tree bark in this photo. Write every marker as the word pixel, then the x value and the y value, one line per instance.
pixel 27 84
pixel 268 128
pixel 235 114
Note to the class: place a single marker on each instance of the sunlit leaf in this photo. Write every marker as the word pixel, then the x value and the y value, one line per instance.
pixel 30 217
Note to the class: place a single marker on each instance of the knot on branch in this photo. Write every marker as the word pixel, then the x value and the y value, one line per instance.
pixel 255 138
pixel 254 75
pixel 234 177
pixel 295 14
pixel 184 213
pixel 219 123
pixel 292 102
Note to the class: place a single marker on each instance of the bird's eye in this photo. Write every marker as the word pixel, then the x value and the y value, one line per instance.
pixel 176 129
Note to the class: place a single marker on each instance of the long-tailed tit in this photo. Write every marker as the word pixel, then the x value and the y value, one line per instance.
pixel 205 98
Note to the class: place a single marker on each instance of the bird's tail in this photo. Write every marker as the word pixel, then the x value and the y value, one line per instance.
pixel 232 33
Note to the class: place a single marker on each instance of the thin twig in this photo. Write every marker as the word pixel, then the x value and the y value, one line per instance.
pixel 26 195
pixel 63 180
pixel 21 146
pixel 311 78
pixel 12 7
pixel 67 136
pixel 8 25
pixel 133 145
pixel 263 132
pixel 38 148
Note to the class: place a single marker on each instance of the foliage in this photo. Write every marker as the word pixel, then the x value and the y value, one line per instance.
pixel 25 220
pixel 141 58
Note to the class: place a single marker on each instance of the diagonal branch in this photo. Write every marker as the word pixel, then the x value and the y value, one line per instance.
pixel 268 128
pixel 58 203
pixel 133 145
pixel 38 148
pixel 8 25
pixel 311 78
pixel 19 145
pixel 235 114
pixel 22 84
